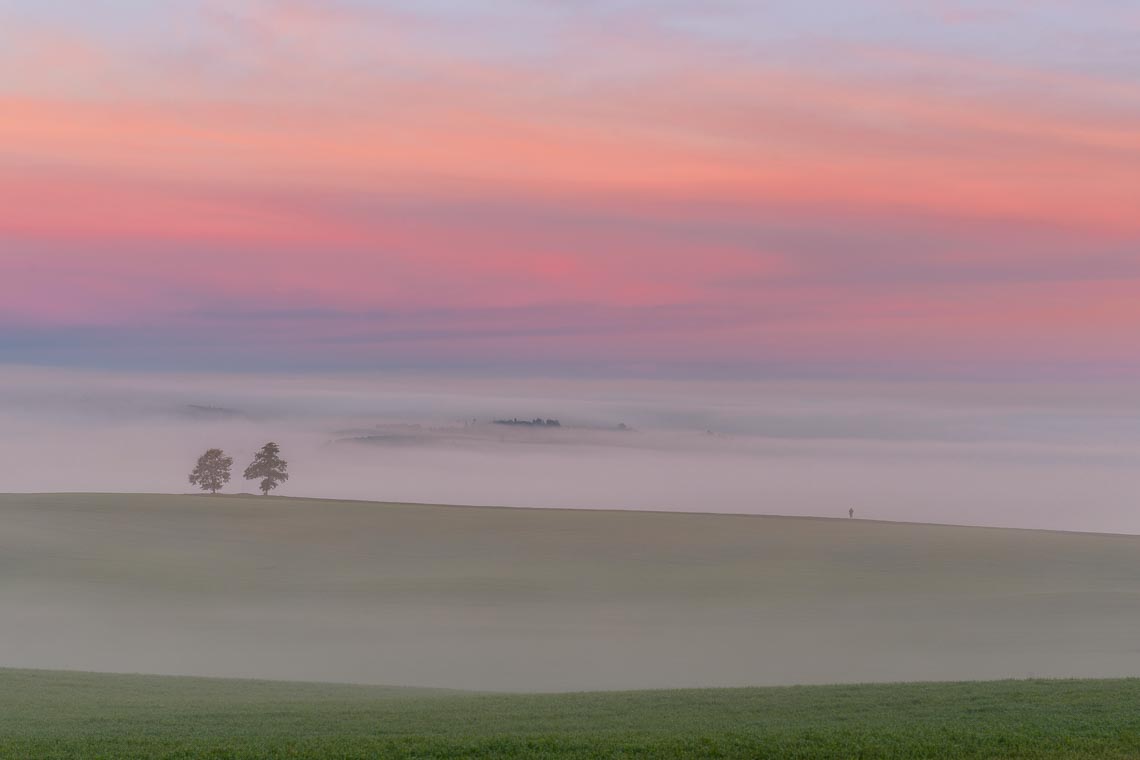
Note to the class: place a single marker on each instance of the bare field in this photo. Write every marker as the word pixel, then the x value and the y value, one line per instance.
pixel 517 599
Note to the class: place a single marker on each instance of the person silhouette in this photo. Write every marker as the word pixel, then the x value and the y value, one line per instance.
pixel 851 512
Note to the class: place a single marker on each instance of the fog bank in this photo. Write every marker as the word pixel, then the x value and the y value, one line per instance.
pixel 1044 456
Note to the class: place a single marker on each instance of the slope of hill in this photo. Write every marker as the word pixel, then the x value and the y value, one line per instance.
pixel 549 600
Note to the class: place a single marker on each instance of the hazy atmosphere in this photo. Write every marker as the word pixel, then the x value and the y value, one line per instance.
pixel 1062 456
pixel 421 349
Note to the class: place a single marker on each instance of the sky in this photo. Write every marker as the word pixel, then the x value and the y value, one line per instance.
pixel 883 189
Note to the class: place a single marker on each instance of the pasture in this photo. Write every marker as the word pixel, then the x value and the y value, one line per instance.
pixel 66 716
pixel 549 600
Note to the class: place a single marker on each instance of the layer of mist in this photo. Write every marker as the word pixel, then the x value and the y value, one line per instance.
pixel 1042 456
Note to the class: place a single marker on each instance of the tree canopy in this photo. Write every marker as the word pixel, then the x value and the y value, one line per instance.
pixel 269 466
pixel 212 470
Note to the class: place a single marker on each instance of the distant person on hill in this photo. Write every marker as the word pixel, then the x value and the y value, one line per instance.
pixel 851 512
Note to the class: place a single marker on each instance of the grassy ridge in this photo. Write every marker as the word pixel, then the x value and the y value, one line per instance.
pixel 79 715
pixel 524 600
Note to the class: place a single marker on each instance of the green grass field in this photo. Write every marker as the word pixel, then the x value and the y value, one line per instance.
pixel 78 715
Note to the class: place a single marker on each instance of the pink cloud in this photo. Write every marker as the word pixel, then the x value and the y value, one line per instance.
pixel 310 167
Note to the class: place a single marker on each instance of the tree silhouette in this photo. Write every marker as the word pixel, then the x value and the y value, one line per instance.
pixel 268 466
pixel 212 471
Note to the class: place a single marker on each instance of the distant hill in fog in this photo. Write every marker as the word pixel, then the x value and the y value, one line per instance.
pixel 203 412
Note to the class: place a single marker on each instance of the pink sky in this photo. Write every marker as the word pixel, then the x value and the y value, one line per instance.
pixel 372 184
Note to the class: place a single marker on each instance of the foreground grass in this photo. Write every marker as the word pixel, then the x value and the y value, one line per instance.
pixel 79 715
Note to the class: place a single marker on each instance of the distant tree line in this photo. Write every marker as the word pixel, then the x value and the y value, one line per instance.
pixel 536 422
pixel 213 469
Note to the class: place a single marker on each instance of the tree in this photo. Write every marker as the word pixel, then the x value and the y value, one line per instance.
pixel 268 466
pixel 212 471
